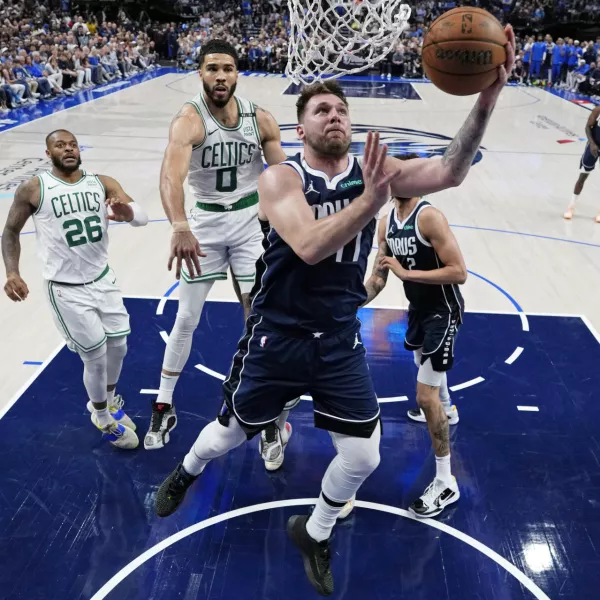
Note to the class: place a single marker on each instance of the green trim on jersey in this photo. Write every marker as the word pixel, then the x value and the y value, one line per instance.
pixel 64 325
pixel 209 277
pixel 103 274
pixel 220 125
pixel 66 183
pixel 195 105
pixel 41 195
pixel 255 120
pixel 118 333
pixel 101 184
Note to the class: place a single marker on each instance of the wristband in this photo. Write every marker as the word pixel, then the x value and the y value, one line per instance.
pixel 140 218
pixel 180 226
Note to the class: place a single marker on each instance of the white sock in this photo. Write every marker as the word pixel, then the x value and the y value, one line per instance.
pixel 445 393
pixel 282 419
pixel 110 396
pixel 214 441
pixel 116 349
pixel 324 517
pixel 166 389
pixel 574 199
pixel 442 468
pixel 104 417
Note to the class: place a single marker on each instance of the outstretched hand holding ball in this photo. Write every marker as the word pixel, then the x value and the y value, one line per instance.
pixel 466 51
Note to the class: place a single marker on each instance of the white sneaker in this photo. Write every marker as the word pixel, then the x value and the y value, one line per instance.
pixel 115 408
pixel 117 434
pixel 569 212
pixel 419 416
pixel 435 498
pixel 272 445
pixel 348 508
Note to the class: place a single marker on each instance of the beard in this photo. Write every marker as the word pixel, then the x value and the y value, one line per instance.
pixel 60 165
pixel 329 147
pixel 219 102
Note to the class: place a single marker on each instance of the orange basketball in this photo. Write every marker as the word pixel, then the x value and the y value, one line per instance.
pixel 462 50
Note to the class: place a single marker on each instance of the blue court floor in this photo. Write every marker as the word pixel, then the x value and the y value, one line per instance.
pixel 76 516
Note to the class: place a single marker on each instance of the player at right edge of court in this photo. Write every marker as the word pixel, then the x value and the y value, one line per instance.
pixel 416 244
pixel 302 334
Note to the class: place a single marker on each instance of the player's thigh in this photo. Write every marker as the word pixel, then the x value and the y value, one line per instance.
pixel 414 332
pixel 75 315
pixel 210 229
pixel 440 335
pixel 110 306
pixel 245 245
pixel 268 370
pixel 588 161
pixel 342 389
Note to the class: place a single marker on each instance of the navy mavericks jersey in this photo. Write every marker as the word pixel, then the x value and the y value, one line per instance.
pixel 415 253
pixel 292 295
pixel 596 131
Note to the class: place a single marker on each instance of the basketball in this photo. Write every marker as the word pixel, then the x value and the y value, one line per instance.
pixel 462 50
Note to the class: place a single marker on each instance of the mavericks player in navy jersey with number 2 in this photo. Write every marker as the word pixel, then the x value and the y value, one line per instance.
pixel 302 334
pixel 417 245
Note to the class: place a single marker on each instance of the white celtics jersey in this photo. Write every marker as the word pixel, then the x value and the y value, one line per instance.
pixel 72 228
pixel 225 167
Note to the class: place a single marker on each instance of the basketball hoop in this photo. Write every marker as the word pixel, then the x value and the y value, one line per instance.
pixel 331 38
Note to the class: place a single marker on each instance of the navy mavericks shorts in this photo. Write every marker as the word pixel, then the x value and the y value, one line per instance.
pixel 588 160
pixel 271 368
pixel 434 333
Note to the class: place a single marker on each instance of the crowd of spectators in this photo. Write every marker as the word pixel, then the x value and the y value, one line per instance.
pixel 47 51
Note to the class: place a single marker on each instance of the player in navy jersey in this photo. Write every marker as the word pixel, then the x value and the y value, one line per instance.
pixel 417 245
pixel 588 160
pixel 302 334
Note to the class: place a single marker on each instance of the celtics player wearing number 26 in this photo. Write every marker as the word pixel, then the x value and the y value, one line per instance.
pixel 71 209
pixel 417 245
pixel 217 141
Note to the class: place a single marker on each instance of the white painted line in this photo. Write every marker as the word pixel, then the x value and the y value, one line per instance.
pixel 211 372
pixel 524 321
pixel 165 336
pixel 148 391
pixel 511 359
pixel 25 387
pixel 393 399
pixel 590 327
pixel 161 305
pixel 116 579
pixel 466 384
pixel 528 408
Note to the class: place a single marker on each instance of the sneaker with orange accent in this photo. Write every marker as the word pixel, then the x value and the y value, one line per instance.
pixel 597 219
pixel 569 212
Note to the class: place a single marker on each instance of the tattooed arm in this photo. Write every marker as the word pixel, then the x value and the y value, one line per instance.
pixel 379 275
pixel 419 177
pixel 27 199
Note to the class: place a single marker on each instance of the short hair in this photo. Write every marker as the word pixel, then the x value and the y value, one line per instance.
pixel 52 133
pixel 217 47
pixel 315 89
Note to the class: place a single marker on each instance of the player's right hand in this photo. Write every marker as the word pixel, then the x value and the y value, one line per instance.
pixel 594 149
pixel 16 289
pixel 376 180
pixel 185 247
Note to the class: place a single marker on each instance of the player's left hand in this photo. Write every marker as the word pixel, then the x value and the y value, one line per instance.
pixel 504 70
pixel 119 211
pixel 390 262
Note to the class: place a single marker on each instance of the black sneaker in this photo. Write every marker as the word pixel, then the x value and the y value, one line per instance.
pixel 172 491
pixel 164 420
pixel 316 555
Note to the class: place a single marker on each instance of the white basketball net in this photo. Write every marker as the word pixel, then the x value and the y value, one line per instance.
pixel 339 37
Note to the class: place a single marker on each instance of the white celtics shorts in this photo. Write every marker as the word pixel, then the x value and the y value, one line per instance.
pixel 87 314
pixel 229 239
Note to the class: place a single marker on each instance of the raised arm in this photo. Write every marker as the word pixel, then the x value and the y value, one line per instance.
pixel 420 177
pixel 26 201
pixel 123 208
pixel 283 202
pixel 434 227
pixel 186 130
pixel 270 137
pixel 379 275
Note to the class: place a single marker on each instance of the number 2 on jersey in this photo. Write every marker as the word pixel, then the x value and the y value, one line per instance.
pixel 75 235
pixel 411 262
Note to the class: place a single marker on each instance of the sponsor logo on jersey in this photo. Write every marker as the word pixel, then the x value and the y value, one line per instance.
pixel 408 227
pixel 352 183
pixel 248 130
pixel 400 140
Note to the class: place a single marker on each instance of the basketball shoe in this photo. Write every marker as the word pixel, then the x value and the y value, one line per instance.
pixel 435 498
pixel 117 434
pixel 164 420
pixel 272 445
pixel 419 416
pixel 172 492
pixel 115 408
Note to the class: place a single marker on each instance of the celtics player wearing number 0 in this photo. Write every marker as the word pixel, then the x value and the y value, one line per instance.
pixel 217 141
pixel 417 245
pixel 71 209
